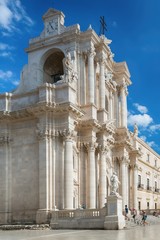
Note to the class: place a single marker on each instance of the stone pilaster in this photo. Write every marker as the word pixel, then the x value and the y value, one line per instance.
pixel 135 184
pixel 123 94
pixel 5 177
pixel 46 173
pixel 91 173
pixel 102 176
pixel 102 84
pixel 91 93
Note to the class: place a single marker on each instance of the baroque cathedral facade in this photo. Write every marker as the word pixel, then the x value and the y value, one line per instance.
pixel 63 131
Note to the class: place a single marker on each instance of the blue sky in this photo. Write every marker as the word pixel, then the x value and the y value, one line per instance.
pixel 134 28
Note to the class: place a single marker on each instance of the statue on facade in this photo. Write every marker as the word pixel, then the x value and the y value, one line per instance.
pixel 69 72
pixel 114 184
pixel 135 130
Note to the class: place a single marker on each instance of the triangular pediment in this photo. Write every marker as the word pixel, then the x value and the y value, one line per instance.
pixel 51 12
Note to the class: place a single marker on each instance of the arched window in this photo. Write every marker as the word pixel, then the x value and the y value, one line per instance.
pixel 53 67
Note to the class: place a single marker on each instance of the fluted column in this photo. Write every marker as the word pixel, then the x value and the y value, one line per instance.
pixel 123 105
pixel 91 176
pixel 102 177
pixel 91 93
pixel 68 170
pixel 135 184
pixel 102 84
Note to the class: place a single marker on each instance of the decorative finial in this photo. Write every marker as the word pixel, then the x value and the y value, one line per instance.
pixel 90 27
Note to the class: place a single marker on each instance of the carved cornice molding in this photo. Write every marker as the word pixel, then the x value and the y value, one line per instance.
pixel 91 123
pixel 123 138
pixel 109 127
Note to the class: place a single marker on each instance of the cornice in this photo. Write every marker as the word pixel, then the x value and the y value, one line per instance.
pixel 123 138
pixel 41 107
pixel 90 123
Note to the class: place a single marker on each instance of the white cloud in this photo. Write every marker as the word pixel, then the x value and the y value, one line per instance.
pixel 5 50
pixel 15 82
pixel 155 127
pixel 5 75
pixel 140 108
pixel 13 12
pixel 142 120
pixel 144 138
pixel 5 54
pixel 151 144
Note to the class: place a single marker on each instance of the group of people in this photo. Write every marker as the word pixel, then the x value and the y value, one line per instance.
pixel 134 214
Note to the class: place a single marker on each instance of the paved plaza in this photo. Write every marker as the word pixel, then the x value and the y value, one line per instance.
pixel 139 232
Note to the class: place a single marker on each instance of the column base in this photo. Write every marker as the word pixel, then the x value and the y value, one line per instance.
pixel 43 216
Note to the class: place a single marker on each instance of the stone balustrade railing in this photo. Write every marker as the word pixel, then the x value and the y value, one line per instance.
pixel 79 213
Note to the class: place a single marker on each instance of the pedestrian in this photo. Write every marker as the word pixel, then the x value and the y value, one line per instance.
pixel 134 212
pixel 144 217
pixel 126 212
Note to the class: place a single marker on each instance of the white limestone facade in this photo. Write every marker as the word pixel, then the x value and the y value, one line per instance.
pixel 63 131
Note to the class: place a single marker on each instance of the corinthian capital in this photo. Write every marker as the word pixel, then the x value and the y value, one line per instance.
pixel 103 148
pixel 91 146
pixel 68 134
pixel 91 52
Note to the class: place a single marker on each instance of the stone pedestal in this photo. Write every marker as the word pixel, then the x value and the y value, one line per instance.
pixel 114 220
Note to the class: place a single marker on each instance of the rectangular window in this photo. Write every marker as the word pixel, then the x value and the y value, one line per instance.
pixel 139 181
pixel 147 183
pixel 147 157
pixel 155 206
pixel 147 205
pixel 139 205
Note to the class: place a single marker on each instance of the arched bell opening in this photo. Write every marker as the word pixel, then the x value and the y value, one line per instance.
pixel 53 67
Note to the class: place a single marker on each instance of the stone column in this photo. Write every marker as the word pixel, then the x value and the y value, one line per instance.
pixel 102 177
pixel 102 84
pixel 123 183
pixel 91 54
pixel 127 184
pixel 68 170
pixel 135 184
pixel 91 169
pixel 123 105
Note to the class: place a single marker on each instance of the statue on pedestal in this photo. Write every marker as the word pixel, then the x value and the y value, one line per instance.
pixel 114 184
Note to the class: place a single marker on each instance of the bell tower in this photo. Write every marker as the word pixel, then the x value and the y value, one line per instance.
pixel 53 22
